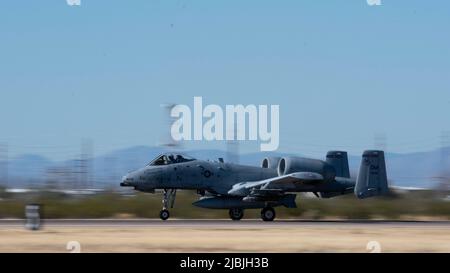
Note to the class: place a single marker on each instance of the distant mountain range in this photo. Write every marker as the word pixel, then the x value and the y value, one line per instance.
pixel 422 169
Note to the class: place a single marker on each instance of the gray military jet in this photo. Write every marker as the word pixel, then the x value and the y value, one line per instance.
pixel 236 187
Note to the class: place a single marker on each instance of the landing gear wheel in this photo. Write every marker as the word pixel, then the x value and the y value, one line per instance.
pixel 268 214
pixel 236 214
pixel 168 201
pixel 164 214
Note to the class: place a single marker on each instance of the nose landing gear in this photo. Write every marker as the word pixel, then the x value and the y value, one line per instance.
pixel 164 214
pixel 168 200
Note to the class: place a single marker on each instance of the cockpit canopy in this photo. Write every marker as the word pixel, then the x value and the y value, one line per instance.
pixel 169 159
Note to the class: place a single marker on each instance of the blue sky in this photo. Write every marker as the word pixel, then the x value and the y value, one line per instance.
pixel 341 71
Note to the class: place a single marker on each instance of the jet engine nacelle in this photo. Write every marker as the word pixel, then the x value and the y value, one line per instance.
pixel 288 165
pixel 270 162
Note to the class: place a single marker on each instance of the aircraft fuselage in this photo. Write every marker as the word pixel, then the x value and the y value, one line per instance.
pixel 210 176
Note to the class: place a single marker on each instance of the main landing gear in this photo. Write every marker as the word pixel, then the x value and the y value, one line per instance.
pixel 168 200
pixel 236 214
pixel 268 214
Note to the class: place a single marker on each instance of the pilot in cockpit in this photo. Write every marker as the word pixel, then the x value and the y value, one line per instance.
pixel 179 159
pixel 169 159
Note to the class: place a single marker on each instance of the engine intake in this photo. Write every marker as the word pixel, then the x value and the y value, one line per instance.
pixel 270 162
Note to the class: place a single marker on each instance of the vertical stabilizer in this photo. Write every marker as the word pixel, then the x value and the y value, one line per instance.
pixel 372 177
pixel 339 160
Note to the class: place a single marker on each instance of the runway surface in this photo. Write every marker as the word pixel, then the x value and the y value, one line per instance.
pixel 222 223
pixel 176 235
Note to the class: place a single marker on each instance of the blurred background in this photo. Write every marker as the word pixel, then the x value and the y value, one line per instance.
pixel 85 93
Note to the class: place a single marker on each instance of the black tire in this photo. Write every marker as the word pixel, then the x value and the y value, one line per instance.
pixel 164 215
pixel 236 214
pixel 268 214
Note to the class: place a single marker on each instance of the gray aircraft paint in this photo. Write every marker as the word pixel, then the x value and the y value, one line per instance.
pixel 229 186
pixel 196 175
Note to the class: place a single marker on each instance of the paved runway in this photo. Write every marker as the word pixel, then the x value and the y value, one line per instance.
pixel 223 223
pixel 176 235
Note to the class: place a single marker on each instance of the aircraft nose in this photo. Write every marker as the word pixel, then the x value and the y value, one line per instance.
pixel 127 181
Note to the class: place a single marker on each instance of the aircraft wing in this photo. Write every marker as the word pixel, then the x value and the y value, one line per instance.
pixel 277 185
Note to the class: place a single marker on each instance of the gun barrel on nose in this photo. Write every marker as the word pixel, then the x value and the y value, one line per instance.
pixel 127 182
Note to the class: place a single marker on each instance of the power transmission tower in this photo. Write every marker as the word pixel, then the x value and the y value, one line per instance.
pixel 109 172
pixel 445 146
pixel 4 161
pixel 380 141
pixel 85 163
pixel 233 148
pixel 166 139
pixel 445 168
pixel 233 151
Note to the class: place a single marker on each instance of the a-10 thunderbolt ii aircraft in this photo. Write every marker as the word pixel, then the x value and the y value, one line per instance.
pixel 237 187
